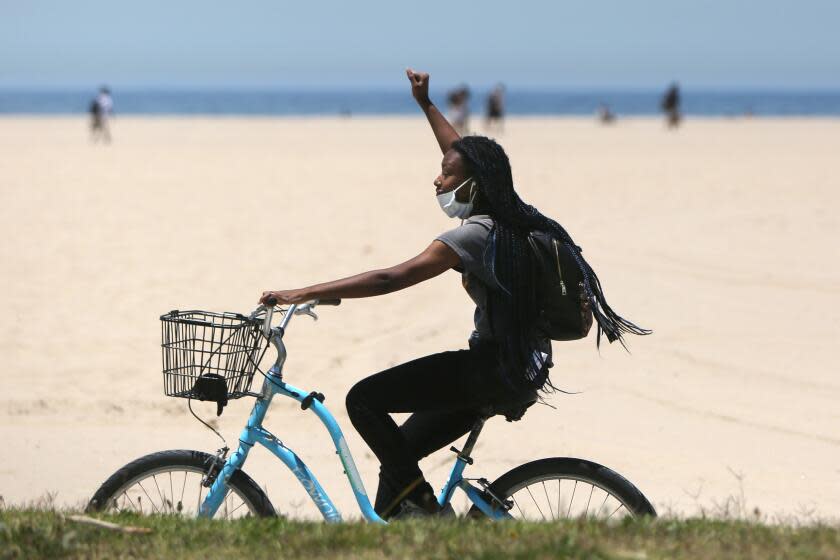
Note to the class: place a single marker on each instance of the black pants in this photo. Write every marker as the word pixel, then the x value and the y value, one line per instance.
pixel 445 391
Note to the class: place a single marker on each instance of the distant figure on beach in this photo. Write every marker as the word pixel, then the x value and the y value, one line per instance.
pixel 101 109
pixel 671 105
pixel 605 115
pixel 496 108
pixel 459 111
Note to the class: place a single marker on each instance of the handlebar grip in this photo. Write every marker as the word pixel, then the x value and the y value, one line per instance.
pixel 332 301
pixel 271 302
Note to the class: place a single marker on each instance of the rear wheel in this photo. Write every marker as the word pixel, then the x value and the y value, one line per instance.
pixel 562 488
pixel 170 482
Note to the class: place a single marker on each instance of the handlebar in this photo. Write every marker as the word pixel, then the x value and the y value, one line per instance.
pixel 329 301
pixel 293 309
pixel 275 335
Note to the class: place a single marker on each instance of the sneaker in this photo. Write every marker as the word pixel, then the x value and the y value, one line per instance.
pixel 447 512
pixel 419 502
pixel 409 510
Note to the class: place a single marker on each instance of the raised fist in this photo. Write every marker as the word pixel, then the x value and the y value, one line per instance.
pixel 419 85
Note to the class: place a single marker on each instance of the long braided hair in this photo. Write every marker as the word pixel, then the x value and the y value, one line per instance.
pixel 513 302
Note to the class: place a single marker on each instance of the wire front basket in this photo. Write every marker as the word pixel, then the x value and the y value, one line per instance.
pixel 210 346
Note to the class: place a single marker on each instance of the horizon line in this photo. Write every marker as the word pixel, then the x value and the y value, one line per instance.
pixel 729 88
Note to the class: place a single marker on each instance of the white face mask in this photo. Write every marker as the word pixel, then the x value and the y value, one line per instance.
pixel 454 208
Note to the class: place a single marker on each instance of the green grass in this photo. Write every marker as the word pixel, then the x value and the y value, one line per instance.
pixel 50 534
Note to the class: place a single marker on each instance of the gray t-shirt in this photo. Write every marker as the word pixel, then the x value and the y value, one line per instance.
pixel 470 241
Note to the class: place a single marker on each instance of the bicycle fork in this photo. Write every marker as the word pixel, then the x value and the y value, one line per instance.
pixel 247 439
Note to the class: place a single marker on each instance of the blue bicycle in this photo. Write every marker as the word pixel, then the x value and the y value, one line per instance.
pixel 214 357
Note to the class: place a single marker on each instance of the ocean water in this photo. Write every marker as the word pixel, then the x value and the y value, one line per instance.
pixel 135 102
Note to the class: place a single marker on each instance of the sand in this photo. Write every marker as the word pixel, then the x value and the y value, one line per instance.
pixel 722 237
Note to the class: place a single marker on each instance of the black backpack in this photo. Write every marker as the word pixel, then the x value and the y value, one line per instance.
pixel 565 312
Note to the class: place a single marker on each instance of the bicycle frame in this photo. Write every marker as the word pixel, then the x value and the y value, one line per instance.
pixel 254 433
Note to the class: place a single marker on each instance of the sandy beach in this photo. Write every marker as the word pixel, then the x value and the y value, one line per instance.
pixel 722 237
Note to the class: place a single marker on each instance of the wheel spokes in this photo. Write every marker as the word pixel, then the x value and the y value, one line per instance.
pixel 596 502
pixel 535 503
pixel 146 494
pixel 547 499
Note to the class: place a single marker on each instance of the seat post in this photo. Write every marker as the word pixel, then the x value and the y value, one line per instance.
pixel 473 437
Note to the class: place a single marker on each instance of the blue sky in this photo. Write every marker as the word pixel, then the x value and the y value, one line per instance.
pixel 732 44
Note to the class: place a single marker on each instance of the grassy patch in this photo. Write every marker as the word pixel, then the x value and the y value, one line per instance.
pixel 49 534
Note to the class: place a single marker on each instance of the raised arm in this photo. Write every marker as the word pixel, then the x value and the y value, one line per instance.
pixel 444 133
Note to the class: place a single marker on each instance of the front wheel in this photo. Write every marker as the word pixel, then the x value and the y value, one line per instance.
pixel 171 482
pixel 562 488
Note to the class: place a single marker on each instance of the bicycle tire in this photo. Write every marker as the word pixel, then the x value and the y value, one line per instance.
pixel 170 461
pixel 567 468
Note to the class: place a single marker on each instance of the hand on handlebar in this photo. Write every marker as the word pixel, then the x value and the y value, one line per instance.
pixel 282 297
pixel 299 305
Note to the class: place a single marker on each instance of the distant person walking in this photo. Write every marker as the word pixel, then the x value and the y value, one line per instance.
pixel 605 114
pixel 671 106
pixel 496 108
pixel 101 110
pixel 459 111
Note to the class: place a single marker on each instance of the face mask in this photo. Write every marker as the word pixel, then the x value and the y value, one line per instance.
pixel 454 208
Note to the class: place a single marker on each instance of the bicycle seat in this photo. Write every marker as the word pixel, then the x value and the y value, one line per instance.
pixel 511 411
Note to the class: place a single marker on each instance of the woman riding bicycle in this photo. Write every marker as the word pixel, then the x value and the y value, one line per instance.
pixel 508 357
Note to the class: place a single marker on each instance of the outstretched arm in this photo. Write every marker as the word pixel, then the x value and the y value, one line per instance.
pixel 444 133
pixel 436 259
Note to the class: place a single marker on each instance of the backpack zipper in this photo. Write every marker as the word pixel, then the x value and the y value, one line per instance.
pixel 559 272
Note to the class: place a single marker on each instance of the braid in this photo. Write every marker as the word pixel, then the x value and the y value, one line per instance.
pixel 514 303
